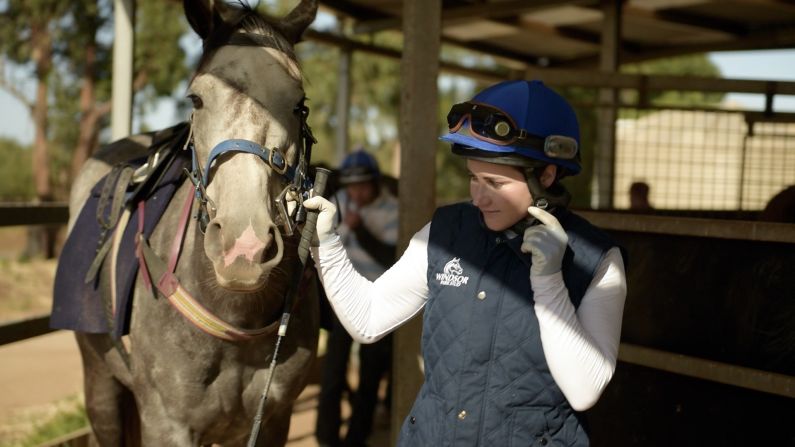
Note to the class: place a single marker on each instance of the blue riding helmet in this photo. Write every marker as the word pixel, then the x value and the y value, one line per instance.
pixel 358 166
pixel 519 123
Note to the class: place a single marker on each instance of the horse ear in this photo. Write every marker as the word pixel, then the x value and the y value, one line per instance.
pixel 294 23
pixel 204 15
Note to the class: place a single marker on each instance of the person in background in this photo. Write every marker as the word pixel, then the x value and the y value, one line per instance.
pixel 639 196
pixel 780 207
pixel 522 298
pixel 367 225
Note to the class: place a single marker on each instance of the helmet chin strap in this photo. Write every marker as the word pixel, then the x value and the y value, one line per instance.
pixel 545 198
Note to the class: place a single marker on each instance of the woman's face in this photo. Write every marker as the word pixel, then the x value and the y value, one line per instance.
pixel 500 192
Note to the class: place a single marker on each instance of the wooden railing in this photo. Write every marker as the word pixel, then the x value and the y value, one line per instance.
pixel 24 329
pixel 28 214
pixel 14 214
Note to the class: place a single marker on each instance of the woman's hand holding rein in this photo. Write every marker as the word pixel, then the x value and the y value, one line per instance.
pixel 325 219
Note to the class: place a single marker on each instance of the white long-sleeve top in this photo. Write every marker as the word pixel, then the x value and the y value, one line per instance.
pixel 580 345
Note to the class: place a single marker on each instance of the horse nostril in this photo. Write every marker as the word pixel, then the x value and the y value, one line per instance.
pixel 213 239
pixel 213 230
pixel 272 248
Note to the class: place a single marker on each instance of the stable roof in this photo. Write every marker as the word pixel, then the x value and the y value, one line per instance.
pixel 567 33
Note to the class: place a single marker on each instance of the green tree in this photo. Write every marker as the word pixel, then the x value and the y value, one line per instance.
pixel 70 46
pixel 375 106
pixel 27 33
pixel 688 65
pixel 67 46
pixel 159 67
pixel 320 64
pixel 27 36
pixel 16 180
pixel 375 96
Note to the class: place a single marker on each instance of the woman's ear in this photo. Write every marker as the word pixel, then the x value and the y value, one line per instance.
pixel 549 174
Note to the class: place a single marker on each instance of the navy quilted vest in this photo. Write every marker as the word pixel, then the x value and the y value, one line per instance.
pixel 487 382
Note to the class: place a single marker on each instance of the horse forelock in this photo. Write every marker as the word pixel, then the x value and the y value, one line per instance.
pixel 244 19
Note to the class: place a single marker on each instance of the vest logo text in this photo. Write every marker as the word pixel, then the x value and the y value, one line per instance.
pixel 453 274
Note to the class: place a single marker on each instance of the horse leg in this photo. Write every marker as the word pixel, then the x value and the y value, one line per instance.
pixel 159 429
pixel 109 405
pixel 274 431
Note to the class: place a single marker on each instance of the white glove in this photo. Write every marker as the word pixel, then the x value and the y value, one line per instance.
pixel 546 242
pixel 325 220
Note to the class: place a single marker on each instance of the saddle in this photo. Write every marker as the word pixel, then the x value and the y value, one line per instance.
pixel 78 303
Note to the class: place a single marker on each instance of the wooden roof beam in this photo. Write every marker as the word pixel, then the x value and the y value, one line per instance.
pixel 564 77
pixel 601 79
pixel 474 12
pixel 579 34
pixel 488 49
pixel 355 10
pixel 390 53
pixel 581 78
pixel 763 40
pixel 681 17
pixel 571 32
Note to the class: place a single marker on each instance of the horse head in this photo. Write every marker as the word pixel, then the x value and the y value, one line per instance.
pixel 248 130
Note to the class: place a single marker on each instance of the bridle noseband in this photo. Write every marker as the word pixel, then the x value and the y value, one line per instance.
pixel 296 177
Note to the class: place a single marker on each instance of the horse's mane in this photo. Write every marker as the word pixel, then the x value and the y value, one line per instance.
pixel 242 17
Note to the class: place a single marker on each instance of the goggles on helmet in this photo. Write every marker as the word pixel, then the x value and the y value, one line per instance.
pixel 492 125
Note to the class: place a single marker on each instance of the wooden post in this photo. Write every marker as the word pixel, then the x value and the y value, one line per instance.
pixel 418 130
pixel 604 158
pixel 343 106
pixel 122 88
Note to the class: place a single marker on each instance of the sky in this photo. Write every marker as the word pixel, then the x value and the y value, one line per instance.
pixel 777 65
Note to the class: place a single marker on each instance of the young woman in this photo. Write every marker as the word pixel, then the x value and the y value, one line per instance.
pixel 522 298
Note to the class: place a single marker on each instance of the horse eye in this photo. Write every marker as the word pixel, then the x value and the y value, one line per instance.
pixel 197 102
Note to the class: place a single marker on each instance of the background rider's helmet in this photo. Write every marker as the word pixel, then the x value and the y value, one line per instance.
pixel 358 166
pixel 520 123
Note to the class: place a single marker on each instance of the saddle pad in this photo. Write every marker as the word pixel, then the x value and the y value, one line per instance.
pixel 79 306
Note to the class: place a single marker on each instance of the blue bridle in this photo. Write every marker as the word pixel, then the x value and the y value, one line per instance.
pixel 296 178
pixel 272 157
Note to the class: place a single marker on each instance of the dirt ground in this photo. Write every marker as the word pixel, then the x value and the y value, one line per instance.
pixel 41 376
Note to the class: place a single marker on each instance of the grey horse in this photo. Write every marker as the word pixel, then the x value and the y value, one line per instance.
pixel 184 387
